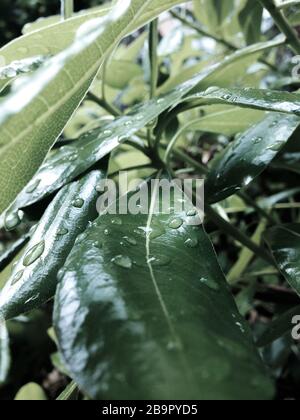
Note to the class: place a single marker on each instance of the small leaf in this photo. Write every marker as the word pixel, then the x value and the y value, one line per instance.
pixel 284 242
pixel 34 277
pixel 31 392
pixel 248 156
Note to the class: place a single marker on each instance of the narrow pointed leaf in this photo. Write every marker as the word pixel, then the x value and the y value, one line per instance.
pixel 248 156
pixel 263 99
pixel 34 277
pixel 284 242
pixel 143 311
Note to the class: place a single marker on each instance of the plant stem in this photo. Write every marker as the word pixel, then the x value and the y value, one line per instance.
pixel 153 60
pixel 153 44
pixel 238 235
pixel 104 104
pixel 67 9
pixel 202 31
pixel 287 4
pixel 220 41
pixel 283 24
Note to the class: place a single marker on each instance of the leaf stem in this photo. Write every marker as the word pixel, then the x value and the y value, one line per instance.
pixel 283 24
pixel 103 104
pixel 217 39
pixel 153 44
pixel 202 31
pixel 238 235
pixel 67 9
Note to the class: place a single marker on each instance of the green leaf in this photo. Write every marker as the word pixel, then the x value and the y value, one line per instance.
pixel 121 72
pixel 37 110
pixel 31 392
pixel 284 242
pixel 250 19
pixel 263 99
pixel 248 156
pixel 212 13
pixel 4 352
pixel 9 254
pixel 153 283
pixel 227 120
pixel 34 278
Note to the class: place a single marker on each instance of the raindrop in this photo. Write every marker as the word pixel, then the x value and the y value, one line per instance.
pixel 78 203
pixel 191 213
pixel 130 240
pixel 227 97
pixel 34 253
pixel 17 277
pixel 276 146
pixel 73 157
pixel 116 221
pixel 128 123
pixel 32 187
pixel 161 261
pixel 160 101
pixel 257 140
pixel 122 261
pixel 211 90
pixel 211 284
pixel 106 232
pixel 12 220
pixel 173 346
pixel 238 324
pixel 191 242
pixel 176 223
pixel 62 231
pixel 140 117
pixel 122 139
pixel 107 132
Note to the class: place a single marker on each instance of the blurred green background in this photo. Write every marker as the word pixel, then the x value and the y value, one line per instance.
pixel 14 14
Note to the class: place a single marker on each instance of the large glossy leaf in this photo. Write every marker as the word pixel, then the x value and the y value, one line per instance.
pixel 34 277
pixel 35 113
pixel 248 156
pixel 143 311
pixel 284 242
pixel 263 99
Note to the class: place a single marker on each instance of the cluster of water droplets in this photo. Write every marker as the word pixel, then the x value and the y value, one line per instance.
pixel 17 68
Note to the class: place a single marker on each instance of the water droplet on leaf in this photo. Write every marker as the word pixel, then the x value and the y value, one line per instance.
pixel 176 223
pixel 34 254
pixel 17 277
pixel 122 261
